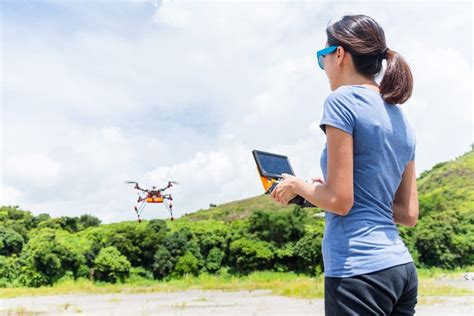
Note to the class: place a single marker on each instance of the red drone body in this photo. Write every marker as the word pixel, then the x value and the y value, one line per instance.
pixel 153 195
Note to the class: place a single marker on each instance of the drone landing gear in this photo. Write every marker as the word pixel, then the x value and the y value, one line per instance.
pixel 169 206
pixel 139 210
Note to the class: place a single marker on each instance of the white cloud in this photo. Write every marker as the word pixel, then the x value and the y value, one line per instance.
pixel 37 169
pixel 9 196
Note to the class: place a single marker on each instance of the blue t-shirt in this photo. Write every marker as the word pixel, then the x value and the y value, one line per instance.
pixel 367 240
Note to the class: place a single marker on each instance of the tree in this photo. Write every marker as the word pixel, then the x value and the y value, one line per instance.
pixel 9 270
pixel 172 248
pixel 48 255
pixel 446 239
pixel 214 259
pixel 278 228
pixel 10 241
pixel 71 224
pixel 308 253
pixel 40 218
pixel 86 221
pixel 187 264
pixel 249 255
pixel 110 265
pixel 163 262
pixel 138 243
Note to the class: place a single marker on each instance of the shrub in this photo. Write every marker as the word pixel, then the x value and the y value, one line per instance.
pixel 308 252
pixel 250 255
pixel 163 262
pixel 187 264
pixel 10 241
pixel 214 259
pixel 48 255
pixel 278 228
pixel 110 265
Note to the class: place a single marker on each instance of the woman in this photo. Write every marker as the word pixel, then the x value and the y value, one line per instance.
pixel 368 163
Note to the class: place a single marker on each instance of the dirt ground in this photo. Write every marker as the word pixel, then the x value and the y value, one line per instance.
pixel 200 302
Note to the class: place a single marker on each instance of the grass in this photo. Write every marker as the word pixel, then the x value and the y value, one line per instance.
pixel 279 283
pixel 429 300
pixel 438 273
pixel 19 311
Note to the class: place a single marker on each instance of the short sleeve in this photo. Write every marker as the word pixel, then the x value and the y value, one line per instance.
pixel 414 145
pixel 413 155
pixel 337 111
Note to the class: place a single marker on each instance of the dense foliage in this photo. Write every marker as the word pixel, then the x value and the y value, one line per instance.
pixel 40 250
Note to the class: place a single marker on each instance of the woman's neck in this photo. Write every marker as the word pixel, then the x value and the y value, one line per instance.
pixel 362 81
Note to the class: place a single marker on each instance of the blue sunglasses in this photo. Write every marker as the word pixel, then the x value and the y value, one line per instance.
pixel 323 52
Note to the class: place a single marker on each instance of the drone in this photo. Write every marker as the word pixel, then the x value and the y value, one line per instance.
pixel 153 195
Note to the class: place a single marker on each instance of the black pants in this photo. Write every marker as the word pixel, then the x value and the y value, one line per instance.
pixel 392 291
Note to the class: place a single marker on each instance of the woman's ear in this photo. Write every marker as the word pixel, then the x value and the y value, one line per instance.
pixel 340 53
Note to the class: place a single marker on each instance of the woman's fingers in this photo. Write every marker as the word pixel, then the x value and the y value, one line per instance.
pixel 275 194
pixel 281 193
pixel 278 194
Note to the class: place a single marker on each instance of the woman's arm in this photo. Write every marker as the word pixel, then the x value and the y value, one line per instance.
pixel 405 204
pixel 336 195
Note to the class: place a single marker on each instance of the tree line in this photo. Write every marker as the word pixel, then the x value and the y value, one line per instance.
pixel 41 250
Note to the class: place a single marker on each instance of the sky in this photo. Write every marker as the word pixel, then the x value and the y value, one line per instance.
pixel 94 93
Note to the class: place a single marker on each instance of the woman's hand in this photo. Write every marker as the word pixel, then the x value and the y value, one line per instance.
pixel 284 192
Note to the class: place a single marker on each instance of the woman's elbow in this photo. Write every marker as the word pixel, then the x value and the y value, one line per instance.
pixel 343 205
pixel 412 218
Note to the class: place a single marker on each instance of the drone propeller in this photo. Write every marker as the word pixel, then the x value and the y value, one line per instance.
pixel 170 181
pixel 137 186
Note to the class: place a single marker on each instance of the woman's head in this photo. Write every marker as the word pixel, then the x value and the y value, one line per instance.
pixel 361 49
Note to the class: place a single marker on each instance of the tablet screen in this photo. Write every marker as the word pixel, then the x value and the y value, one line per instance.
pixel 272 165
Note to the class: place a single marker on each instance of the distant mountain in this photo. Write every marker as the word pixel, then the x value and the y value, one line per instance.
pixel 448 185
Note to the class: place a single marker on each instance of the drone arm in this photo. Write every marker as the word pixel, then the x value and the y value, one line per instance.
pixel 138 188
pixel 166 187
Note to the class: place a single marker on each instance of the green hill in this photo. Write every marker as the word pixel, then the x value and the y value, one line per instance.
pixel 448 185
pixel 242 209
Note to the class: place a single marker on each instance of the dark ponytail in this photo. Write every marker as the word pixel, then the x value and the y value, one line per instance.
pixel 364 39
pixel 397 82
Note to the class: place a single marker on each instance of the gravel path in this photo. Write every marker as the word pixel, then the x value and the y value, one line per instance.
pixel 200 302
pixel 195 302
